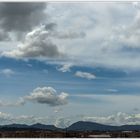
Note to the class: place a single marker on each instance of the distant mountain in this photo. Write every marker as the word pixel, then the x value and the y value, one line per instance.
pixel 43 126
pixel 78 126
pixel 37 126
pixel 129 127
pixel 16 126
pixel 92 126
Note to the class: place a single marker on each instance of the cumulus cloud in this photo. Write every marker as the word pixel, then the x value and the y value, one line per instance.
pixel 21 17
pixel 47 95
pixel 65 68
pixel 40 33
pixel 7 72
pixel 85 75
pixel 37 44
pixel 41 95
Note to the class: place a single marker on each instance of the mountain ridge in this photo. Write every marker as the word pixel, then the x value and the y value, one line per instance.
pixel 77 126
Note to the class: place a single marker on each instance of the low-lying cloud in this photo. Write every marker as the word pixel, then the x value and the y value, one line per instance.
pixel 6 118
pixel 117 119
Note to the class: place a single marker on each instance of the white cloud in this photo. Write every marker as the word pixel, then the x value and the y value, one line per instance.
pixel 37 44
pixel 111 40
pixel 85 75
pixel 41 95
pixel 7 72
pixel 47 95
pixel 111 34
pixel 65 68
pixel 41 43
pixel 116 119
pixel 6 118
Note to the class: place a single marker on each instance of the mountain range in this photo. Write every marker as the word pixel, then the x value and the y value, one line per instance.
pixel 78 126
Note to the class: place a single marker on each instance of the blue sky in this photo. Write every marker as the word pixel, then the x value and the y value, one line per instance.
pixel 70 62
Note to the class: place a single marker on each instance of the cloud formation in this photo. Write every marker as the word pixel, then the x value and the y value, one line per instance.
pixel 108 42
pixel 85 75
pixel 47 95
pixel 41 95
pixel 117 119
pixel 7 118
pixel 37 44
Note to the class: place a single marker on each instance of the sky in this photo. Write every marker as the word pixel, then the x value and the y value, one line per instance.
pixel 62 62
